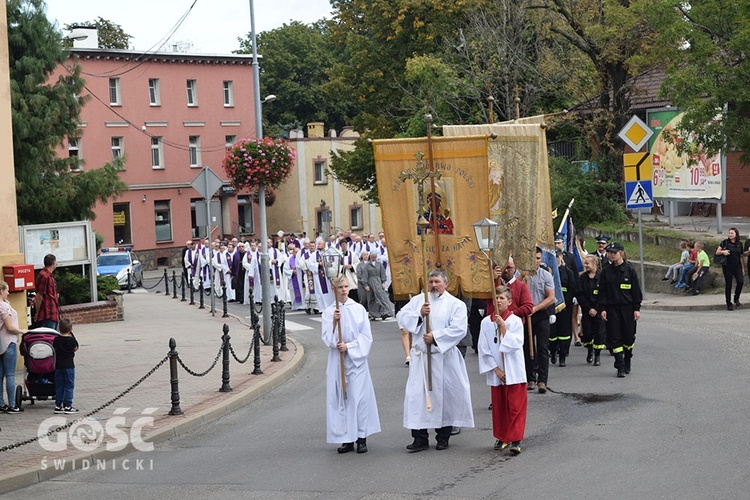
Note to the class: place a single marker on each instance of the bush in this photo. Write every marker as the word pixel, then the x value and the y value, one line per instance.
pixel 74 288
pixel 597 199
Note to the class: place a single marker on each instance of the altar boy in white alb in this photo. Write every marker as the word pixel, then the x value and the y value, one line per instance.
pixel 448 404
pixel 355 416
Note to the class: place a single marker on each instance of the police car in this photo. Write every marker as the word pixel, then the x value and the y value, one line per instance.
pixel 116 262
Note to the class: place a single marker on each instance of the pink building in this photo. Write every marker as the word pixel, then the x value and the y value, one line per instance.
pixel 168 115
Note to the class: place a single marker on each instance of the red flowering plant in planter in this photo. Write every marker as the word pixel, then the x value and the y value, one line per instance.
pixel 251 163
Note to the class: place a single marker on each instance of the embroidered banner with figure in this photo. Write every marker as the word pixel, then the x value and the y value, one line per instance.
pixel 461 198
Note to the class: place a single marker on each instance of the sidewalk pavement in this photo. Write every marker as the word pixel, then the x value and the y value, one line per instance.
pixel 687 302
pixel 114 356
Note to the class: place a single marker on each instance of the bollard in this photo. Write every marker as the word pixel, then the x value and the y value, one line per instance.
pixel 225 360
pixel 202 294
pixel 224 299
pixel 282 326
pixel 182 285
pixel 174 284
pixel 129 282
pixel 166 284
pixel 192 294
pixel 253 314
pixel 256 348
pixel 174 382
pixel 275 330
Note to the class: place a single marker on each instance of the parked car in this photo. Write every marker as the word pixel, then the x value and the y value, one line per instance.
pixel 117 262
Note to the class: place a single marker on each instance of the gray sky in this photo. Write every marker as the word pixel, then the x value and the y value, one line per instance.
pixel 213 26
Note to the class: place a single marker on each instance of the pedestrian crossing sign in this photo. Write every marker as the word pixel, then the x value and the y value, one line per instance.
pixel 638 194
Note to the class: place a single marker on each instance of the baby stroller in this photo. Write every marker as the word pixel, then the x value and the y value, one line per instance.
pixel 39 358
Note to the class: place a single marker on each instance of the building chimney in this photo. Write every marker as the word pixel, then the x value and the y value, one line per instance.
pixel 315 130
pixel 84 37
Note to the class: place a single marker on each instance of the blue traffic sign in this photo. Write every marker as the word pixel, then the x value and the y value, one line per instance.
pixel 638 194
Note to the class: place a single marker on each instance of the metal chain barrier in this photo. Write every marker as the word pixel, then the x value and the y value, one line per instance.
pixel 249 351
pixel 89 414
pixel 152 287
pixel 202 374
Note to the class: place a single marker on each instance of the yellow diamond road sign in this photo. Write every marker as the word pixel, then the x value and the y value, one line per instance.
pixel 635 133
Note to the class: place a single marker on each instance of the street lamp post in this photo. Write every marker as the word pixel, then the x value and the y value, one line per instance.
pixel 264 267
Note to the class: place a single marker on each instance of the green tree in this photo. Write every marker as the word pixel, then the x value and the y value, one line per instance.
pixel 44 113
pixel 110 35
pixel 706 45
pixel 295 67
pixel 616 38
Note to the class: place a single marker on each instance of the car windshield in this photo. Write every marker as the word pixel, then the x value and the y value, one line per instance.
pixel 113 260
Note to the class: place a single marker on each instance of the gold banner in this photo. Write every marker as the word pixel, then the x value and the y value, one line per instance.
pixel 519 187
pixel 461 195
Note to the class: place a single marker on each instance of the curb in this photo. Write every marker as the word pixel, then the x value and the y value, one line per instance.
pixel 683 308
pixel 23 479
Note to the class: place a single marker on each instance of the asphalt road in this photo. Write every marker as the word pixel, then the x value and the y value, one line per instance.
pixel 674 428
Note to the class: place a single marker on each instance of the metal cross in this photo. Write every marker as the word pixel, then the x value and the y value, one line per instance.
pixel 418 175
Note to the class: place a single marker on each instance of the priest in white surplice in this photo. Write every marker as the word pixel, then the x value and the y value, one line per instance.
pixel 355 417
pixel 450 398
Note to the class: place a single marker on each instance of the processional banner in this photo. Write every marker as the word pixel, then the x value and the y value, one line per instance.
pixel 461 198
pixel 519 187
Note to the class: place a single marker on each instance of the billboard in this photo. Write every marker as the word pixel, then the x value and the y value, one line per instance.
pixel 674 175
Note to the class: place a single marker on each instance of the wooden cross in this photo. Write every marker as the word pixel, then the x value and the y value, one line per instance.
pixel 302 221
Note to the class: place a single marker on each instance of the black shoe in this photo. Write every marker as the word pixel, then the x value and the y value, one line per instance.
pixel 597 361
pixel 490 407
pixel 562 361
pixel 673 282
pixel 621 372
pixel 345 448
pixel 737 304
pixel 384 317
pixel 499 445
pixel 664 279
pixel 730 307
pixel 515 448
pixel 578 343
pixel 696 292
pixel 308 311
pixel 418 446
pixel 14 409
pixel 553 358
pixel 455 431
pixel 316 311
pixel 442 444
pixel 590 355
pixel 361 445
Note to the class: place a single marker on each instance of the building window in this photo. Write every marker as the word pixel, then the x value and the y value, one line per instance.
pixel 195 150
pixel 355 215
pixel 117 149
pixel 162 219
pixel 121 223
pixel 115 99
pixel 228 94
pixel 154 97
pixel 157 153
pixel 74 153
pixel 245 219
pixel 198 231
pixel 323 220
pixel 319 171
pixel 192 93
pixel 230 140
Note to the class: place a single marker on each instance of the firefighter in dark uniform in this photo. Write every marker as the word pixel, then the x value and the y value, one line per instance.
pixel 601 243
pixel 592 326
pixel 568 259
pixel 562 330
pixel 620 299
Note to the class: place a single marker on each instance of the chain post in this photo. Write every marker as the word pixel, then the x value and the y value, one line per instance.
pixel 173 379
pixel 275 330
pixel 166 283
pixel 174 284
pixel 225 360
pixel 224 305
pixel 202 295
pixel 129 281
pixel 192 293
pixel 182 285
pixel 256 347
pixel 282 327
